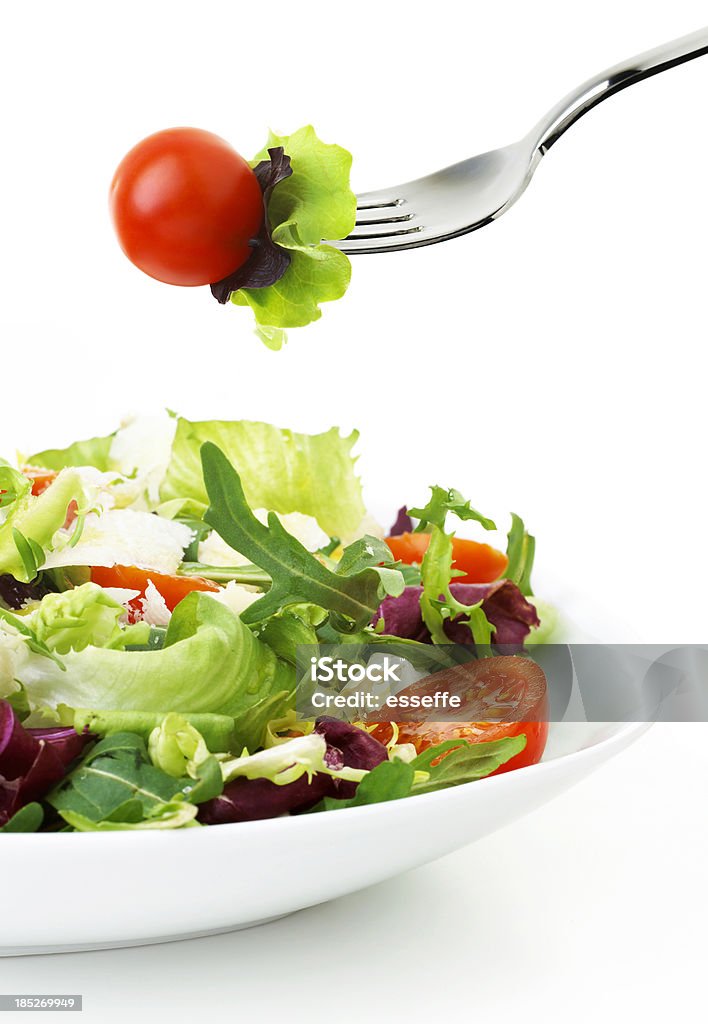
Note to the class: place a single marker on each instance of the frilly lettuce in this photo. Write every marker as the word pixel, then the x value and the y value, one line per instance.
pixel 176 747
pixel 210 663
pixel 82 617
pixel 286 762
pixel 314 203
pixel 280 470
pixel 28 524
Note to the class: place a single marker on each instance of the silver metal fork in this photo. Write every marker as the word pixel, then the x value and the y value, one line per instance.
pixel 470 194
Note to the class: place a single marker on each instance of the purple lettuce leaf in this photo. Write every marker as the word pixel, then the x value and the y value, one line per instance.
pixel 351 747
pixel 403 523
pixel 268 261
pixel 255 799
pixel 31 760
pixel 502 602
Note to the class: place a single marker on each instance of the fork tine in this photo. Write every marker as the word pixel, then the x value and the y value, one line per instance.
pixel 397 214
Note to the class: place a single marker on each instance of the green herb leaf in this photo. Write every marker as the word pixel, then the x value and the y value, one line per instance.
pixel 466 762
pixel 117 770
pixel 27 819
pixel 443 501
pixel 390 780
pixel 520 550
pixel 437 603
pixel 298 576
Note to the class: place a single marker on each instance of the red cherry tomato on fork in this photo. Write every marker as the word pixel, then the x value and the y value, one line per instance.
pixel 185 205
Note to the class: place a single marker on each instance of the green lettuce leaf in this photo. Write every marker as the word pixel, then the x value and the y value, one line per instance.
pixel 280 470
pixel 28 523
pixel 298 577
pixel 218 731
pixel 314 203
pixel 210 663
pixel 176 747
pixel 93 452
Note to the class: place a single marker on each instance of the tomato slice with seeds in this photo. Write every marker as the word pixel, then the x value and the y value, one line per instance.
pixel 501 696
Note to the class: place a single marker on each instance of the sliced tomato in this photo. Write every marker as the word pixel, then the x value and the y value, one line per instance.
pixel 504 696
pixel 41 478
pixel 480 563
pixel 172 588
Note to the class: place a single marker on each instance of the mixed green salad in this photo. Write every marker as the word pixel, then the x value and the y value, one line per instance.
pixel 155 585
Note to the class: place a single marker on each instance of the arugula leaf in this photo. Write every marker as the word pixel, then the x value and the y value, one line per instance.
pixel 437 603
pixel 390 780
pixel 174 814
pixel 314 203
pixel 466 762
pixel 441 502
pixel 298 576
pixel 520 550
pixel 115 773
pixel 27 819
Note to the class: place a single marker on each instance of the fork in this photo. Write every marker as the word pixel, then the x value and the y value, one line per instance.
pixel 473 193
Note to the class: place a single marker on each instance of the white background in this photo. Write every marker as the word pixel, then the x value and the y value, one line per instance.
pixel 553 363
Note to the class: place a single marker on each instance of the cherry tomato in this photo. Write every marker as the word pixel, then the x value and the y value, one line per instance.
pixel 129 577
pixel 480 563
pixel 185 205
pixel 496 693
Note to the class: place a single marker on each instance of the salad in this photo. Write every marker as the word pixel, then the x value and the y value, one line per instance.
pixel 155 586
pixel 189 210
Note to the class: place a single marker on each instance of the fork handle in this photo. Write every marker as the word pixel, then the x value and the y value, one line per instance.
pixel 607 83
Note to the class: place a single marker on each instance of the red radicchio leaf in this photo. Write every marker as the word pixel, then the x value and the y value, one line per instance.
pixel 502 602
pixel 403 524
pixel 269 261
pixel 254 799
pixel 31 760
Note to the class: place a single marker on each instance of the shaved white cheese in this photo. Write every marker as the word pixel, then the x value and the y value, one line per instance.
pixel 236 596
pixel 215 551
pixel 125 537
pixel 142 448
pixel 154 610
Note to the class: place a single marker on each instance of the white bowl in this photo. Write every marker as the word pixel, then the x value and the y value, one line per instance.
pixel 97 890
